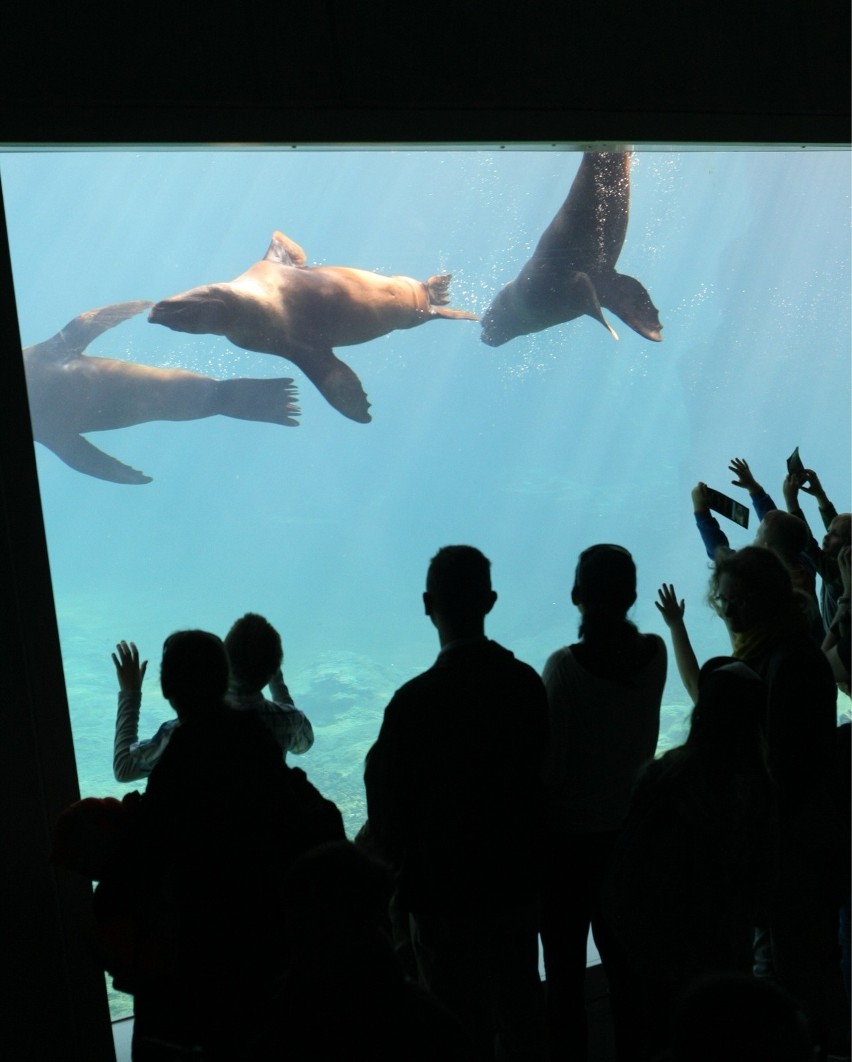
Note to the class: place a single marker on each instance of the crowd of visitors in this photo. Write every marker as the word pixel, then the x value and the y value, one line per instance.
pixel 503 809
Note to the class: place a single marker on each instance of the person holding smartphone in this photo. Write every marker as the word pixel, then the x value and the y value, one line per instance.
pixel 783 533
pixel 838 528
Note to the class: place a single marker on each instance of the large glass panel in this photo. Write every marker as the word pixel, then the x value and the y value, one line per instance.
pixel 532 450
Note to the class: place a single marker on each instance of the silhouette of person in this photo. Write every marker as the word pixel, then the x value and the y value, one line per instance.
pixel 838 641
pixel 838 533
pixel 455 803
pixel 713 537
pixel 785 534
pixel 189 898
pixel 733 1018
pixel 691 873
pixel 343 978
pixel 840 787
pixel 752 590
pixel 604 694
pixel 255 658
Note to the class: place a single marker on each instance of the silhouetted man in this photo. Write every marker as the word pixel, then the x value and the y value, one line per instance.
pixel 455 803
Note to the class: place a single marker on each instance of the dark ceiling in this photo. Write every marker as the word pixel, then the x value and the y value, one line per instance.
pixel 336 71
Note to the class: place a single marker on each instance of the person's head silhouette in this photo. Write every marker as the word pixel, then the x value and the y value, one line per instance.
pixel 458 593
pixel 193 672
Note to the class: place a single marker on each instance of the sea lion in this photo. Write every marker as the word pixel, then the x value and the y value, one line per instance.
pixel 282 306
pixel 572 270
pixel 70 393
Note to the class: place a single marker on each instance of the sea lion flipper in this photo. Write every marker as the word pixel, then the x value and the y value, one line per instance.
pixel 629 299
pixel 86 327
pixel 78 453
pixel 285 251
pixel 270 401
pixel 451 314
pixel 438 289
pixel 587 298
pixel 336 382
pixel 438 292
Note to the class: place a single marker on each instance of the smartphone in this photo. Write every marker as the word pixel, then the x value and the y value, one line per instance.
pixel 794 462
pixel 725 506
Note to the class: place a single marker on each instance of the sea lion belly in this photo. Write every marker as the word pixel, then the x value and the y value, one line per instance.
pixel 322 306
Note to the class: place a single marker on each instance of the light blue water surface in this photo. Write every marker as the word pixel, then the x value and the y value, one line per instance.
pixel 532 451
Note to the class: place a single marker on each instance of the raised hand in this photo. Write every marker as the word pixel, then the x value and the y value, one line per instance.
pixel 793 483
pixel 127 667
pixel 810 483
pixel 744 477
pixel 668 606
pixel 699 498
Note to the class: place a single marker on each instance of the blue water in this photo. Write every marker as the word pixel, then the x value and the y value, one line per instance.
pixel 532 451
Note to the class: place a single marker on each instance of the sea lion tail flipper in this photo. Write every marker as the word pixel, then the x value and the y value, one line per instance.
pixel 270 401
pixel 336 382
pixel 629 299
pixel 284 250
pixel 438 290
pixel 85 328
pixel 589 299
pixel 452 315
pixel 78 453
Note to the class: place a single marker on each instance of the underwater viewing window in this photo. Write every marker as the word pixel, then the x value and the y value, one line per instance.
pixel 225 461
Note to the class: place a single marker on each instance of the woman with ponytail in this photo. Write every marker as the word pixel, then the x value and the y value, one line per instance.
pixel 604 695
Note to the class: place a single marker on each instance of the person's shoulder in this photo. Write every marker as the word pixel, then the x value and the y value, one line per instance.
pixel 414 691
pixel 414 685
pixel 564 652
pixel 251 725
pixel 506 659
pixel 797 643
pixel 796 659
pixel 655 646
pixel 238 735
pixel 298 782
pixel 561 657
pixel 505 656
pixel 302 795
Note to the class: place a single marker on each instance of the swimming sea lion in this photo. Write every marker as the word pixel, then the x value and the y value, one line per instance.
pixel 70 393
pixel 572 270
pixel 281 306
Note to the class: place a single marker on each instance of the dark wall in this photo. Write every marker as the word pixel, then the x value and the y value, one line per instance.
pixel 338 70
pixel 53 1006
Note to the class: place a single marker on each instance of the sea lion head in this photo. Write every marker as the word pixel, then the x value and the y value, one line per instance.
pixel 498 320
pixel 207 309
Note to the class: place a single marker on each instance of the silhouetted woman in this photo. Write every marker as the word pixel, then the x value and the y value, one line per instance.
pixel 690 875
pixel 604 695
pixel 752 591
